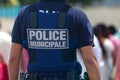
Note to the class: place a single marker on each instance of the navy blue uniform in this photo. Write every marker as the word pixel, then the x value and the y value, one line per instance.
pixel 48 43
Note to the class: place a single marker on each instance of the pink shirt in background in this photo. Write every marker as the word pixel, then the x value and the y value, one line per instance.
pixel 117 74
pixel 3 69
pixel 116 44
pixel 24 61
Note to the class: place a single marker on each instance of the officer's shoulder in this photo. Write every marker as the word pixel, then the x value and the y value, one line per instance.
pixel 24 9
pixel 77 11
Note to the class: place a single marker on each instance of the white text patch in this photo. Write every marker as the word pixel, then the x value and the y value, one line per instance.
pixel 48 38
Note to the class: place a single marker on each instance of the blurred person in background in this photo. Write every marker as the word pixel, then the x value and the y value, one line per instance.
pixel 117 34
pixel 3 68
pixel 117 71
pixel 5 43
pixel 24 61
pixel 99 57
pixel 101 32
pixel 115 41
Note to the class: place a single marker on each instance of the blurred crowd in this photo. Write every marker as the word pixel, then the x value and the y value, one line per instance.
pixel 107 51
pixel 5 46
pixel 109 40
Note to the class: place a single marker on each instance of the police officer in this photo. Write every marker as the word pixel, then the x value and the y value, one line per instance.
pixel 51 31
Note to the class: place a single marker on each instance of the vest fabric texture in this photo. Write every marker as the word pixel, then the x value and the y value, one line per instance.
pixel 51 32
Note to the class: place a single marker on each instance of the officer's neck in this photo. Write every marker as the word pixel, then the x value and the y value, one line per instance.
pixel 54 0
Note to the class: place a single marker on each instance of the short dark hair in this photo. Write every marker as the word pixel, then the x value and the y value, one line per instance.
pixel 112 29
pixel 101 29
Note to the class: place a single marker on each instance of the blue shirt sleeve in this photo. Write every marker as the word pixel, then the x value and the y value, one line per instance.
pixel 18 25
pixel 16 32
pixel 82 28
pixel 85 32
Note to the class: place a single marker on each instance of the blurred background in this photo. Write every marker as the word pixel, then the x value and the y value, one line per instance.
pixel 104 16
pixel 107 11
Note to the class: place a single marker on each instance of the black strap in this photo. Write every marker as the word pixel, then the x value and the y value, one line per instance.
pixel 33 24
pixel 61 20
pixel 69 55
pixel 33 20
pixel 33 16
pixel 33 7
pixel 62 17
pixel 32 55
pixel 65 8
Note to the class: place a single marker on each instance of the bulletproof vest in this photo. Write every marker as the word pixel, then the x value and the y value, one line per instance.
pixel 48 40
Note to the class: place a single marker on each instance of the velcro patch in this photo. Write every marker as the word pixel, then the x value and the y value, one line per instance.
pixel 48 38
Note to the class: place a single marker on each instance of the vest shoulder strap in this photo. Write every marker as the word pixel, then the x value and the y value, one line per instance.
pixel 62 17
pixel 33 15
pixel 65 8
